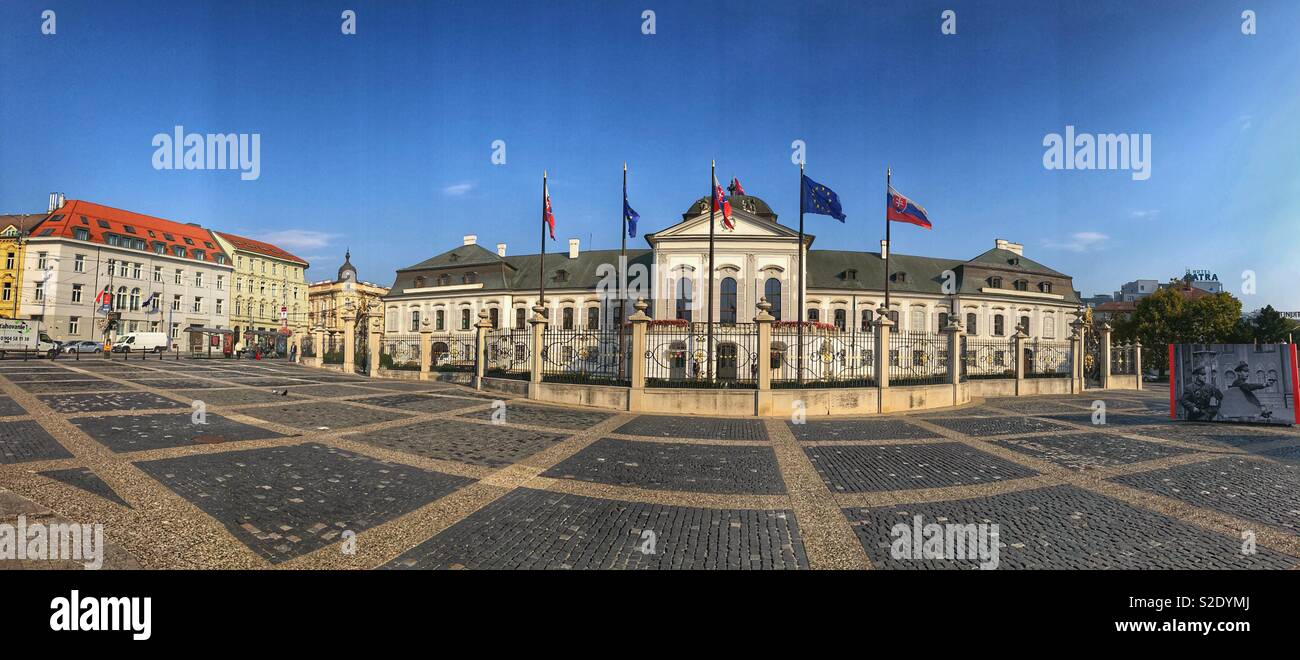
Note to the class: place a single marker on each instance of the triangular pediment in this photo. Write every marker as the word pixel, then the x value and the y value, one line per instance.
pixel 746 226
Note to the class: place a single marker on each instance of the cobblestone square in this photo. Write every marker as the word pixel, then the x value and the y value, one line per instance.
pixel 544 416
pixel 142 432
pixel 675 466
pixel 10 407
pixel 1261 491
pixel 859 429
pixel 858 468
pixel 24 441
pixel 695 427
pixel 1090 451
pixel 82 403
pixel 489 445
pixel 322 415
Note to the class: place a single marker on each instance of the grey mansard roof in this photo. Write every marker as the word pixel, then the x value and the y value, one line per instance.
pixel 516 272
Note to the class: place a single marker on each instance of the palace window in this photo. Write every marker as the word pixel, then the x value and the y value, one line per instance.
pixel 841 319
pixel 593 318
pixel 521 317
pixel 999 327
pixel 494 317
pixel 995 282
pixel 1021 285
pixel 567 318
pixel 772 291
pixel 464 319
pixel 1045 287
pixel 867 317
pixel 439 320
pixel 814 315
pixel 684 299
pixel 1024 324
pixel 415 320
pixel 728 309
pixel 972 324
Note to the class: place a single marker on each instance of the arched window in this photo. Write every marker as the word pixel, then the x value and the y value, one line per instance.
pixel 995 282
pixel 521 317
pixel 772 291
pixel 464 319
pixel 999 326
pixel 120 303
pixel 469 278
pixel 1045 287
pixel 593 318
pixel 415 320
pixel 943 320
pixel 728 310
pixel 419 281
pixel 972 324
pixel 1024 324
pixel 494 315
pixel 867 317
pixel 917 321
pixel 135 299
pixel 567 318
pixel 684 289
pixel 841 319
pixel 1021 285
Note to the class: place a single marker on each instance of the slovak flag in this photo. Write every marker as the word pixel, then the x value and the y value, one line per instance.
pixel 548 216
pixel 901 209
pixel 720 201
pixel 735 187
pixel 104 298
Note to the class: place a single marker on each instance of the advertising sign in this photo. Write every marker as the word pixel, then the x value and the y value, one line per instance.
pixel 1233 383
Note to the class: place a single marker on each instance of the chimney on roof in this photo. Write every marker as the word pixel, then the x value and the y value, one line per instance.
pixel 56 202
pixel 573 248
pixel 470 239
pixel 501 249
pixel 60 201
pixel 1004 244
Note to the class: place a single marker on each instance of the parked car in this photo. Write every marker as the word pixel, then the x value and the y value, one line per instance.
pixel 1151 376
pixel 83 346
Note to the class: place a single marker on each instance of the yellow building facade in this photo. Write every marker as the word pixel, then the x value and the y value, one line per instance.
pixel 13 241
pixel 329 300
pixel 270 291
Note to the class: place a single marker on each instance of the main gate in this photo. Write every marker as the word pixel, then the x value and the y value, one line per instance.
pixel 361 345
pixel 1092 364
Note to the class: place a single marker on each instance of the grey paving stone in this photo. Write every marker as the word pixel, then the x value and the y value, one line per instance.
pixel 10 407
pixel 24 440
pixel 894 428
pixel 1002 425
pixel 1061 527
pixel 1262 491
pixel 1112 418
pixel 405 385
pixel 235 396
pixel 861 468
pixel 675 466
pixel 1285 454
pixel 89 385
pixel 534 529
pixel 1089 451
pixel 544 416
pixel 1037 405
pixel 284 502
pixel 313 415
pixel 488 445
pixel 88 481
pixel 268 382
pixel 331 390
pixel 107 401
pixel 179 383
pixel 417 402
pixel 1215 435
pixel 141 432
pixel 695 427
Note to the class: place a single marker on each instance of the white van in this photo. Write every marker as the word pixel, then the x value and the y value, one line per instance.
pixel 142 341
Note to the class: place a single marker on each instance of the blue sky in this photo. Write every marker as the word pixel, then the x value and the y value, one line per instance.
pixel 382 141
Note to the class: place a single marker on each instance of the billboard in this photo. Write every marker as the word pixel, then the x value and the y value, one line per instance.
pixel 1245 383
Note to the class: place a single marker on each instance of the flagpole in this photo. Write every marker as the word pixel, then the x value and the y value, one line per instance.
pixel 713 177
pixel 888 247
pixel 622 276
pixel 799 280
pixel 541 261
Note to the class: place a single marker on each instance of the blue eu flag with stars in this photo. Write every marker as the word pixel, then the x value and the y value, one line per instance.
pixel 821 200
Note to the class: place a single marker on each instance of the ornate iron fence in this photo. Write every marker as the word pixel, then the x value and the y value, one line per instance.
pixel 400 352
pixel 308 346
pixel 509 353
pixel 452 351
pixel 831 357
pixel 918 358
pixel 1045 358
pixel 988 358
pixel 677 355
pixel 1122 360
pixel 580 355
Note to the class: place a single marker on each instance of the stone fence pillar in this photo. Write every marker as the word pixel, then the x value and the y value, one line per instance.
pixel 883 325
pixel 955 332
pixel 640 326
pixel 539 334
pixel 318 346
pixel 482 328
pixel 1019 339
pixel 1105 331
pixel 372 347
pixel 349 341
pixel 763 353
pixel 426 347
pixel 1137 361
pixel 1076 359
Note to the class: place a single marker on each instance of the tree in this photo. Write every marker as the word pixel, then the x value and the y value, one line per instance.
pixel 1212 319
pixel 1269 327
pixel 1157 320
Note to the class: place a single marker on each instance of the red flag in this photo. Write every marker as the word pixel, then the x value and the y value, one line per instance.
pixel 735 187
pixel 720 201
pixel 103 298
pixel 548 216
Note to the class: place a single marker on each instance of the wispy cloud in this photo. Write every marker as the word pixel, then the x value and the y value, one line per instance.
pixel 1082 241
pixel 1150 214
pixel 457 189
pixel 298 239
pixel 1244 122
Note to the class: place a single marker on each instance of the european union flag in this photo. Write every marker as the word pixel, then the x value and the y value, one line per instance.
pixel 631 217
pixel 821 200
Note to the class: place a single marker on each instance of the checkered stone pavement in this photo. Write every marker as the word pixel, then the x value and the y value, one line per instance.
pixel 1058 528
pixel 286 501
pixel 675 466
pixel 425 479
pixel 536 529
pixel 857 468
pixel 1090 451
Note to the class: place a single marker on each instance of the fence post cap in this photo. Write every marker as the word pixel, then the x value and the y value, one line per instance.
pixel 426 327
pixel 484 320
pixel 639 316
pixel 1020 334
pixel 954 325
pixel 764 309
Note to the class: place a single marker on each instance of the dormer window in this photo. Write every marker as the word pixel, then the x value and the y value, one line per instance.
pixel 444 279
pixel 995 282
pixel 900 276
pixel 1021 285
pixel 561 275
pixel 419 282
pixel 1014 261
pixel 469 278
pixel 1045 287
pixel 453 257
pixel 851 274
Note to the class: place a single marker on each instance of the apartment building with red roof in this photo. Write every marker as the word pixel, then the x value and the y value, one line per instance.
pixel 87 264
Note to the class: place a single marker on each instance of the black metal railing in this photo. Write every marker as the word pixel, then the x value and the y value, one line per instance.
pixel 677 355
pixel 508 353
pixel 918 358
pixel 452 351
pixel 579 355
pixel 400 352
pixel 1123 360
pixel 988 358
pixel 831 357
pixel 1047 358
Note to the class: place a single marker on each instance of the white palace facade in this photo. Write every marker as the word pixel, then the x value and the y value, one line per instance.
pixel 995 292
